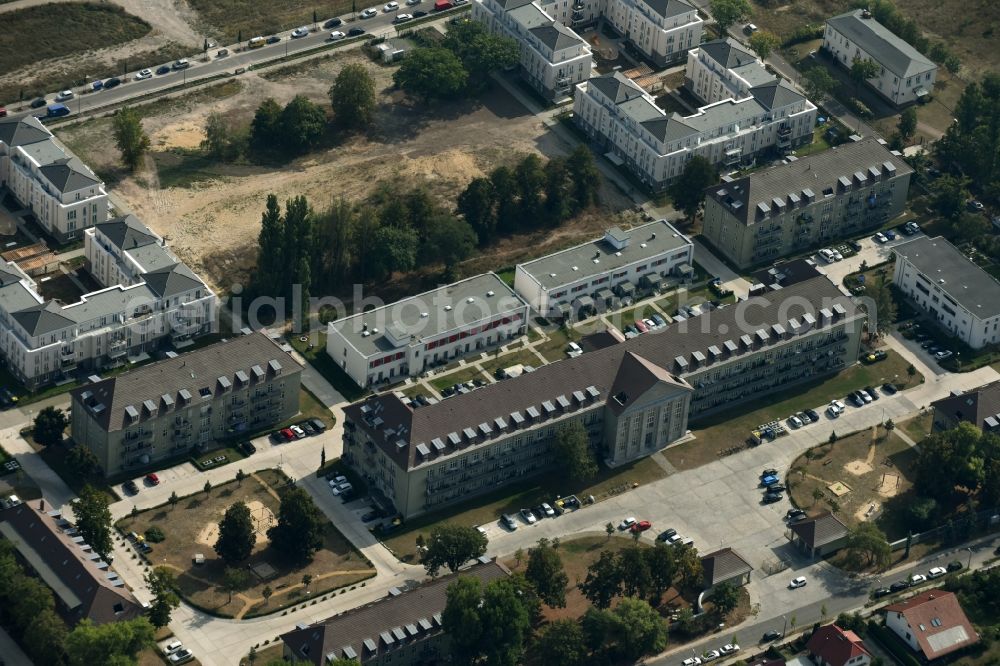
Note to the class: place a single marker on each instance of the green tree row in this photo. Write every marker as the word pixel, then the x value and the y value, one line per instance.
pixel 296 535
pixel 640 572
pixel 886 13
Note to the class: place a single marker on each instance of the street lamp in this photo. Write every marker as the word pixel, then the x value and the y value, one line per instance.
pixel 969 565
pixel 784 629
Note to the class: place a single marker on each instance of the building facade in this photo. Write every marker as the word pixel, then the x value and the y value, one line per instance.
pixel 723 69
pixel 632 398
pixel 624 120
pixel 59 190
pixel 830 645
pixel 960 296
pixel 406 338
pixel 979 406
pixel 615 266
pixel 148 299
pixel 825 197
pixel 662 30
pixel 905 75
pixel 188 403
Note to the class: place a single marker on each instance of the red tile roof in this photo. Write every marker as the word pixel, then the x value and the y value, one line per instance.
pixel 937 621
pixel 835 646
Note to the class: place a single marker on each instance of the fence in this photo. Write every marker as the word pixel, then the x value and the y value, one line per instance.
pixel 980 522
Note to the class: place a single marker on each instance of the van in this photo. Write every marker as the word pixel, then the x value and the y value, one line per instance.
pixel 57 110
pixel 255 42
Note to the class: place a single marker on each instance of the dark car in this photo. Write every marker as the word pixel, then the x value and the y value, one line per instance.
pixel 131 487
pixel 792 513
pixel 666 534
pixel 38 103
pixel 6 397
pixel 248 448
pixel 769 472
pixel 889 388
pixel 419 14
pixel 771 498
pixel 898 586
pixel 369 517
pixel 112 83
pixel 777 488
pixel 307 426
pixel 163 69
pixel 354 32
pixel 318 424
pixel 813 415
pixel 769 636
pixel 273 39
pixel 880 592
pixel 870 390
pixel 5 402
pixel 954 565
pixel 332 23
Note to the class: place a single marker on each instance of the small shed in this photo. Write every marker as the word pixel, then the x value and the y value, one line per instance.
pixel 392 50
pixel 725 566
pixel 819 536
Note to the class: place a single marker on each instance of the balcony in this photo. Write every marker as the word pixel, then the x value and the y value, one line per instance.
pixel 732 157
pixel 118 349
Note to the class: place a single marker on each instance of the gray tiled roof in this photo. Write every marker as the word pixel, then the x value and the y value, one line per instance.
pixel 668 8
pixel 974 406
pixel 556 36
pixel 69 174
pixel 776 94
pixel 723 565
pixel 22 131
pixel 727 112
pixel 171 280
pixel 42 318
pixel 616 86
pixel 821 530
pixel 728 52
pixel 508 5
pixel 127 232
pixel 192 371
pixel 890 51
pixel 957 275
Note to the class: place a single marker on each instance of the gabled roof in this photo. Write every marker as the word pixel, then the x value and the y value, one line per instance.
pixel 728 52
pixel 937 621
pixel 171 280
pixel 669 8
pixel 508 5
pixel 127 232
pixel 723 565
pixel 616 86
pixel 556 36
pixel 890 51
pixel 821 530
pixel 834 646
pixel 76 575
pixel 69 174
pixel 974 406
pixel 42 318
pixel 775 94
pixel 22 131
pixel 635 376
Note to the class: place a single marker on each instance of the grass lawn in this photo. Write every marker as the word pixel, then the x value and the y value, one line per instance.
pixel 55 458
pixel 732 427
pixel 818 145
pixel 918 427
pixel 183 168
pixel 521 356
pixel 554 349
pixel 317 357
pixel 207 461
pixel 265 655
pixel 59 286
pixel 510 499
pixel 877 472
pixel 190 528
pixel 507 275
pixel 467 373
pixel 226 18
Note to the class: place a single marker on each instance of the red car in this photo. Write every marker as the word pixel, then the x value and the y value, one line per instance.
pixel 287 434
pixel 641 326
pixel 3 112
pixel 153 479
pixel 641 526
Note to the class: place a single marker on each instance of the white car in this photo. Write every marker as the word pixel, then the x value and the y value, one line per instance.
pixel 549 511
pixel 797 582
pixel 711 655
pixel 402 18
pixel 411 3
pixel 528 516
pixel 837 256
pixel 835 409
pixel 172 647
pixel 795 421
pixel 143 74
pixel 729 648
pixel 336 35
pixel 65 95
pixel 937 572
pixel 827 255
pixel 916 579
pixel 880 238
pixel 390 7
pixel 181 656
pixel 942 355
pixel 692 661
pixel 573 350
pixel 299 432
pixel 481 529
pixel 627 523
pixel 300 32
pixel 370 12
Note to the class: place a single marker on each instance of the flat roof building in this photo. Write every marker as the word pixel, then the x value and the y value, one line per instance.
pixel 405 338
pixel 959 295
pixel 979 406
pixel 621 261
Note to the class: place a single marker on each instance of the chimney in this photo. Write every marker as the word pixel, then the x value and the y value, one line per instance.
pixel 41 505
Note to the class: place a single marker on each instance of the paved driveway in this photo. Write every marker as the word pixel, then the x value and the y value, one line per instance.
pixel 871 253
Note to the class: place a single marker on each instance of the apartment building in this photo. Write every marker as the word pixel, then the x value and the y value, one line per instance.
pixel 905 75
pixel 625 121
pixel 553 57
pixel 148 299
pixel 633 398
pixel 724 69
pixel 404 628
pixel 408 337
pixel 979 406
pixel 662 30
pixel 960 296
pixel 825 197
pixel 187 403
pixel 59 190
pixel 604 272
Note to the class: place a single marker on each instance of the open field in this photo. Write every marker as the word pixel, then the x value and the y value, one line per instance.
pixel 875 470
pixel 191 528
pixel 213 221
pixel 227 18
pixel 918 427
pixel 732 428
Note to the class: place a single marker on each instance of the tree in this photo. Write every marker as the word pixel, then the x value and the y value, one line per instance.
pixel 306 579
pixel 863 69
pixel 83 461
pixel 234 580
pixel 130 138
pixel 353 97
pixel 266 593
pixel 236 534
pixel 240 475
pixel 818 83
pixel 480 52
pixel 641 630
pixel 43 638
pixel 689 570
pixel 475 204
pixel 545 572
pixel 223 140
pixel 449 241
pixel 558 191
pixel 950 194
pixel 299 530
pixel 93 520
pixel 394 248
pixel 173 499
pixel 207 487
pixel 832 439
pixel 688 191
pixel 907 126
pixel 604 580
pixel 885 305
pixel 585 177
pixel 609 529
pixel 572 447
pixel 27 598
pixel 49 426
pixel 662 565
pixel 561 643
pixel 634 571
pixel 302 124
pixel 265 128
pixel 726 598
pixel 530 177
pixel 430 73
pixel 867 543
pixel 951 460
pixel 505 195
pixel 728 12
pixel 505 621
pixel 461 619
pixel 452 546
pixel 269 277
pixel 763 43
pixel 163 584
pixel 114 643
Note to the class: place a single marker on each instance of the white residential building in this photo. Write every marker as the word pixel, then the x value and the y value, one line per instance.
pixel 553 57
pixel 960 296
pixel 59 190
pixel 662 30
pixel 148 299
pixel 724 69
pixel 905 76
pixel 625 120
pixel 590 275
pixel 403 339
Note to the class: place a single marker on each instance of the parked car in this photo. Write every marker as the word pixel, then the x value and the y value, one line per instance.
pixel 874 357
pixel 273 39
pixel 627 523
pixel 640 526
pixel 113 82
pixel 153 479
pixel 771 498
pixel 870 390
pixel 797 582
pixel 318 424
pixel 792 513
pixel 898 586
pixel 508 521
pixel 528 516
pixel 248 448
pixel 181 656
pixel 855 399
pixel 770 471
pixel 692 661
pixel 975 206
pixel 769 480
pixel 354 32
pixel 285 435
pixel 937 572
pixel 711 655
pixel 160 71
pixel 222 53
pixel 131 487
pixel 38 103
pixel 181 64
pixel 943 354
pixel 548 510
pixel 955 565
pixel 297 431
pixel 298 33
pixel 369 13
pixel 390 7
pixel 827 255
pixel 172 647
pixel 889 388
pixel 795 421
pixel 812 414
pixel 143 74
pixel 336 36
pixel 7 396
pixel 917 579
pixel 777 488
pixel 307 427
pixel 771 635
pixel 880 238
pixel 729 648
pixel 666 535
pixel 332 23
pixel 880 592
pixel 65 96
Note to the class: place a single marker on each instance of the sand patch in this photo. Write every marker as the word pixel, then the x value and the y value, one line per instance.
pixel 187 135
pixel 867 511
pixel 838 489
pixel 888 485
pixel 262 517
pixel 858 467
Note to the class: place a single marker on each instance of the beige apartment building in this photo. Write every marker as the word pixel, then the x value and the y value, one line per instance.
pixel 187 403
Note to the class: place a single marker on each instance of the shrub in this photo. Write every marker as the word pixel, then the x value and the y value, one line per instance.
pixel 155 535
pixel 804 33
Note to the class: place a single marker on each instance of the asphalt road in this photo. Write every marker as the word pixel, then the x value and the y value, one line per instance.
pixel 86 100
